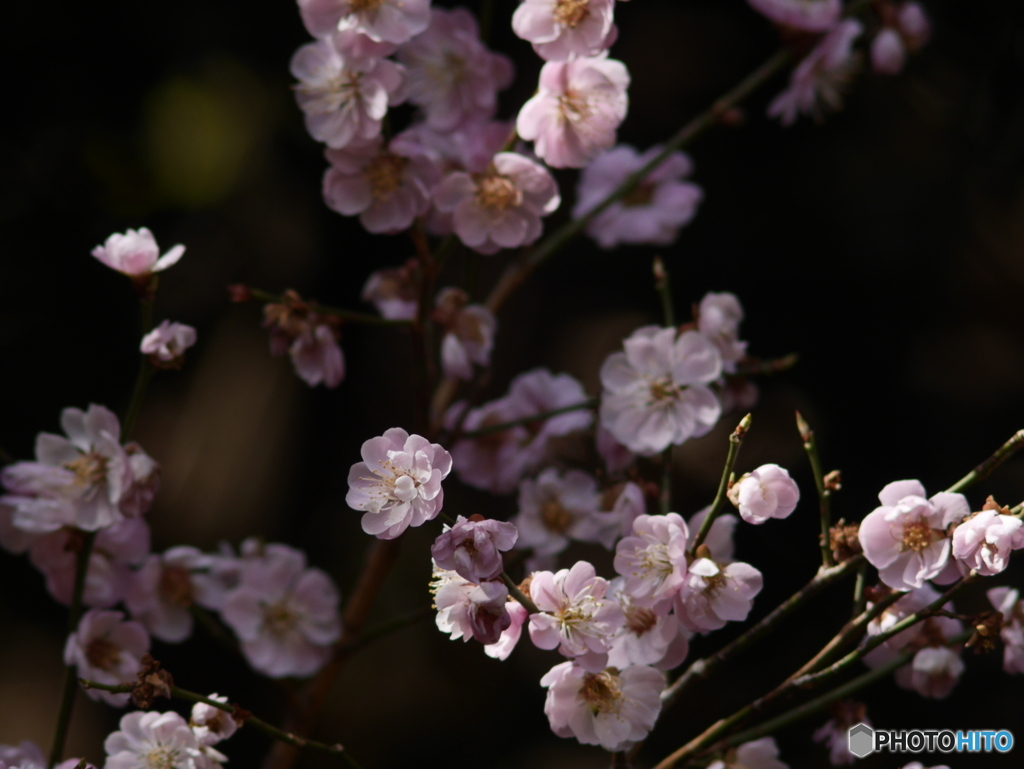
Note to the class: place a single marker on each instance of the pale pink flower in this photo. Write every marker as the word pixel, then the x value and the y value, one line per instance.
pixel 469 610
pixel 907 29
pixel 934 672
pixel 835 732
pixel 646 637
pixel 616 456
pixel 818 82
pixel 984 540
pixel 719 539
pixel 166 344
pixel 555 508
pixel 212 725
pixel 914 601
pixel 652 213
pixel 388 187
pixel 452 75
pixel 393 21
pixel 284 614
pixel 469 333
pixel 398 483
pixel 115 549
pixel 562 30
pixel 656 393
pixel 718 318
pixel 714 594
pixel 611 708
pixel 576 111
pixel 510 635
pixel 905 538
pixel 626 501
pixel 12 539
pixel 145 481
pixel 1006 600
pixel 358 48
pixel 75 481
pixel 309 338
pixel 500 207
pixel 148 740
pixel 576 617
pixel 136 254
pixel 473 548
pixel 888 54
pixel 808 15
pixel 27 755
pixel 767 492
pixel 107 649
pixel 162 592
pixel 344 101
pixel 653 561
pixel 497 461
pixel 394 291
pixel 759 754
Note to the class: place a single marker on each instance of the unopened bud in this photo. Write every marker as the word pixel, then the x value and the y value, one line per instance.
pixel 832 481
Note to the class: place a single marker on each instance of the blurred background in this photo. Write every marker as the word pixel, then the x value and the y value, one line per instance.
pixel 886 247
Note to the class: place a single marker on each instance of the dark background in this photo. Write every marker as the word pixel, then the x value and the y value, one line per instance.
pixel 886 247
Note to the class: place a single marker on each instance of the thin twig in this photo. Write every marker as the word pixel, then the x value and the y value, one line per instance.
pixel 765 367
pixel 986 468
pixel 590 403
pixel 824 493
pixel 663 285
pixel 349 315
pixel 735 441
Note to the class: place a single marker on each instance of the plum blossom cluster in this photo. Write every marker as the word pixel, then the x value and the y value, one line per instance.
pixel 150 738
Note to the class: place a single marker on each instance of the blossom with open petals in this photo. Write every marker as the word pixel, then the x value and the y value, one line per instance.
pixel 166 344
pixel 718 318
pixel 150 740
pixel 1006 600
pixel 470 610
pixel 759 754
pixel 107 649
pixel 562 30
pixel 472 548
pixel 212 725
pixel 468 332
pixel 394 291
pixel 647 637
pixel 392 21
pixel 715 593
pixel 136 254
pixel 308 337
pixel 767 492
pixel 984 540
pixel 555 508
pixel 653 560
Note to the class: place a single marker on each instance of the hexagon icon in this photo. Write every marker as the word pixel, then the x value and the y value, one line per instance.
pixel 861 740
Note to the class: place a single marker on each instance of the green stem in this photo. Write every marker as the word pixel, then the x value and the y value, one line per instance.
pixel 67 702
pixel 824 494
pixel 525 421
pixel 349 315
pixel 766 367
pixel 987 467
pixel 518 594
pixel 859 596
pixel 735 441
pixel 663 285
pixel 259 723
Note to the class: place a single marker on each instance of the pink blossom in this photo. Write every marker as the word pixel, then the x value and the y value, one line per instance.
pixel 212 725
pixel 136 254
pixel 556 507
pixel 284 614
pixel 452 75
pixel 398 483
pixel 835 732
pixel 934 672
pixel 510 635
pixel 500 207
pixel 357 48
pixel 718 318
pixel 75 481
pixel 653 561
pixel 394 291
pixel 576 111
pixel 575 615
pixel 1006 600
pixel 27 755
pixel 818 82
pixel 563 30
pixel 887 52
pixel 107 649
pixel 497 461
pixel 145 481
pixel 473 548
pixel 905 538
pixel 907 28
pixel 656 393
pixel 469 333
pixel 919 765
pixel 808 15
pixel 652 213
pixel 468 610
pixel 167 342
pixel 162 592
pixel 984 540
pixel 767 492
pixel 914 601
pixel 616 456
pixel 646 637
pixel 12 539
pixel 626 501
pixel 759 754
pixel 344 100
pixel 611 708
pixel 714 594
pixel 309 338
pixel 719 537
pixel 393 21
pixel 115 549
pixel 145 738
pixel 388 187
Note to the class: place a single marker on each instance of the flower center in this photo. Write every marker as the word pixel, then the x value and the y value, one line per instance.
pixel 278 618
pixel 555 517
pixel 498 193
pixel 384 173
pixel 917 536
pixel 571 12
pixel 102 653
pixel 640 620
pixel 574 107
pixel 656 562
pixel 601 691
pixel 176 586
pixel 357 6
pixel 160 758
pixel 89 469
pixel 663 390
pixel 641 195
